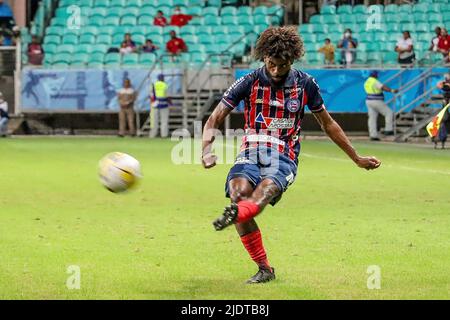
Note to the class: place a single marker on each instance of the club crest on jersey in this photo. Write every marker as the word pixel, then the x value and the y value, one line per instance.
pixel 293 105
pixel 275 123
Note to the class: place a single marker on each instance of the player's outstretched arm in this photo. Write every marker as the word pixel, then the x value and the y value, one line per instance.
pixel 335 132
pixel 211 126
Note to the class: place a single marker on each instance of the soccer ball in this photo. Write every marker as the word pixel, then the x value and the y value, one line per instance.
pixel 119 171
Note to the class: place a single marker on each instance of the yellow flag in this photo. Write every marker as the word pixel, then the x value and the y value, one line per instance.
pixel 435 124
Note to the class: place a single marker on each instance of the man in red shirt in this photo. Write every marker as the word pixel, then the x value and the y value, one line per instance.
pixel 175 45
pixel 178 18
pixel 35 52
pixel 444 43
pixel 160 20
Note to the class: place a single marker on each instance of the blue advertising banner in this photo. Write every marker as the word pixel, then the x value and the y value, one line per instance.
pixel 343 89
pixel 90 90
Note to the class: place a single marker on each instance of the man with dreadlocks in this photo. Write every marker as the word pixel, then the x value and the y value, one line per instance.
pixel 275 97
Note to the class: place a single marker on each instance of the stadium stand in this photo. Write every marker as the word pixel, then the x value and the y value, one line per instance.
pixel 220 28
pixel 377 29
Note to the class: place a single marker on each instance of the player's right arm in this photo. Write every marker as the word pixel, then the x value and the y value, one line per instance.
pixel 231 98
pixel 212 124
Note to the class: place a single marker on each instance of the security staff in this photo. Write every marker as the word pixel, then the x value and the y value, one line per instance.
pixel 161 104
pixel 375 105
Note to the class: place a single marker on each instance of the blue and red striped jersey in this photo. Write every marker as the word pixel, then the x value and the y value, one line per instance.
pixel 272 113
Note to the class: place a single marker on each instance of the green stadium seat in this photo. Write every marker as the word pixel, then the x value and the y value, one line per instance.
pixel 372 46
pixel 390 57
pixel 210 11
pixel 435 18
pixel 405 8
pixel 134 3
pixel 87 39
pixel 262 10
pixel 70 39
pixel 423 27
pixel 362 20
pixel 426 36
pixel 305 29
pixel 112 59
pixel 347 18
pixel 314 58
pixel 81 58
pixel 335 37
pixel 221 30
pixel 165 8
pixel 316 19
pixel 309 37
pixel 344 9
pixel 190 39
pixel 98 12
pixel 391 8
pixel 130 59
pixel 236 30
pixel 147 59
pixel 157 39
pixel 225 39
pixel 185 30
pixel 228 11
pixel 130 11
pixel 196 21
pixel 52 39
pixel 112 21
pixel 195 10
pixel 245 20
pixel 207 40
pixel 380 37
pixel 245 10
pixel 102 3
pixel 359 9
pixel 49 48
pixel 128 21
pixel 320 28
pixel 312 47
pixel 229 20
pixel 386 46
pixel 393 28
pixel 361 57
pixel 54 30
pixel 331 19
pixel 96 57
pixel 375 8
pixel 374 57
pixel 117 39
pixel 48 59
pixel 212 21
pixel 145 20
pixel 181 3
pixel 104 39
pixel 117 3
pixel 215 3
pixel 62 57
pixel 393 37
pixel 200 48
pixel 261 19
pixel 83 48
pixel 60 65
pixel 328 10
pixel 100 48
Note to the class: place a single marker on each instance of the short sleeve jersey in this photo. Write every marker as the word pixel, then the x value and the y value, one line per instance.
pixel 273 114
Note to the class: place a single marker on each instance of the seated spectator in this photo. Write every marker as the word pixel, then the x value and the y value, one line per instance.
pixel 160 20
pixel 435 40
pixel 405 49
pixel 178 18
pixel 6 14
pixel 149 47
pixel 35 51
pixel 444 44
pixel 4 117
pixel 348 44
pixel 6 34
pixel 175 45
pixel 328 52
pixel 127 45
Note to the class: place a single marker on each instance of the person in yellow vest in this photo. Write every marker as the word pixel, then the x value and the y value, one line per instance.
pixel 160 114
pixel 375 105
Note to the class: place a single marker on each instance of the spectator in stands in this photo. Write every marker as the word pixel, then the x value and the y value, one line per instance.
pixel 405 49
pixel 178 18
pixel 35 51
pixel 127 97
pixel 128 45
pixel 149 47
pixel 435 40
pixel 175 45
pixel 6 34
pixel 348 44
pixel 15 35
pixel 160 20
pixel 4 117
pixel 6 14
pixel 328 52
pixel 444 44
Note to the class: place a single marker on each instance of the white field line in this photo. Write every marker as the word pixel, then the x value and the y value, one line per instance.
pixel 308 155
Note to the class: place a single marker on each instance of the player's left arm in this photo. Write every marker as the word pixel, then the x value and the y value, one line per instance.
pixel 335 132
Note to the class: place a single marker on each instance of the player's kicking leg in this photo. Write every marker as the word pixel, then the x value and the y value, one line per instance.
pixel 246 203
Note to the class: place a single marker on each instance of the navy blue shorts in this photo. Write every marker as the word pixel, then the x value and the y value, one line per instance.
pixel 256 165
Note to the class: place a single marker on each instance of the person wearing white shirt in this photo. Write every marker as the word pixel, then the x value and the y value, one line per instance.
pixel 4 117
pixel 405 49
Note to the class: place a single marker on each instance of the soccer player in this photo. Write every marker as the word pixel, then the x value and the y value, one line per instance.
pixel 275 97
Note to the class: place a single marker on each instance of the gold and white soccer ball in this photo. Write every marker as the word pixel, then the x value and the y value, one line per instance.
pixel 119 171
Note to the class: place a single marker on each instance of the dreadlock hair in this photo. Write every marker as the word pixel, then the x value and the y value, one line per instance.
pixel 279 42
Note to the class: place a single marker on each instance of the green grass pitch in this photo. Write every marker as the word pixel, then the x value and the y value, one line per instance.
pixel 157 241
